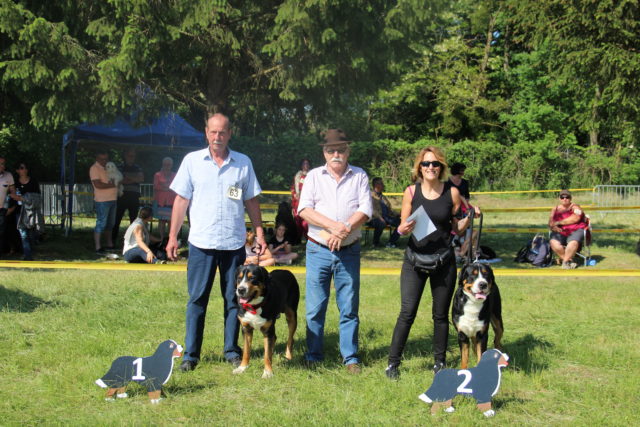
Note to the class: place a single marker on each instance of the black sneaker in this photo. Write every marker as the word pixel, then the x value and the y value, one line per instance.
pixel 188 365
pixel 392 372
pixel 235 361
pixel 438 367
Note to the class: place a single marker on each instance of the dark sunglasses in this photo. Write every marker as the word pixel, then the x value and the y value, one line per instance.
pixel 565 197
pixel 335 150
pixel 21 167
pixel 435 164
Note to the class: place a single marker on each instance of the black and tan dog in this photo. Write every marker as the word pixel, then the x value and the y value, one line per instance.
pixel 262 296
pixel 476 304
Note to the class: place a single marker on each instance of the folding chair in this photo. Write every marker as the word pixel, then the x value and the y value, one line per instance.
pixel 584 251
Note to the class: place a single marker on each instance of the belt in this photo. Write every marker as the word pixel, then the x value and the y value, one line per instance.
pixel 310 239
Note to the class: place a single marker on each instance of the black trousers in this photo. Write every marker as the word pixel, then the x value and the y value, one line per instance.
pixel 130 201
pixel 412 284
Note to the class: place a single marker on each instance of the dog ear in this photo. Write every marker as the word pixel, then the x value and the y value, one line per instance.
pixel 264 275
pixel 464 273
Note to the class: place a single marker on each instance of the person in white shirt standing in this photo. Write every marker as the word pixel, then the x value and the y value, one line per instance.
pixel 6 187
pixel 335 202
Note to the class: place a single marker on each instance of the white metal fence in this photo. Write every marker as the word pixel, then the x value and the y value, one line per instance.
pixel 614 196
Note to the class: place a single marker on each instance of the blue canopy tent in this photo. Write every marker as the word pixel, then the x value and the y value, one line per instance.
pixel 169 131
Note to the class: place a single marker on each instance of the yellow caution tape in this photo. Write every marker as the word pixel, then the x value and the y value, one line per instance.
pixel 545 230
pixel 367 271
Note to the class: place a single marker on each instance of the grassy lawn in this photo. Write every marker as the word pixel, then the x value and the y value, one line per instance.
pixel 572 345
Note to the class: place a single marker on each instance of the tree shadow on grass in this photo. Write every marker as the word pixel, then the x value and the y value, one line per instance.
pixel 180 389
pixel 521 354
pixel 14 300
pixel 419 347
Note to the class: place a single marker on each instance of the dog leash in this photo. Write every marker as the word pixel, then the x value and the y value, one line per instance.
pixel 469 235
pixel 478 239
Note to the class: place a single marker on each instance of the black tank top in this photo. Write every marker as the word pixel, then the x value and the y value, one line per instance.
pixel 439 210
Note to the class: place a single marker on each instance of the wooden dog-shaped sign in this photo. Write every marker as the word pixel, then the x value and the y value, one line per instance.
pixel 481 382
pixel 151 372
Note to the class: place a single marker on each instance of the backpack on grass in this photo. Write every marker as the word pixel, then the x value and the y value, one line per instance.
pixel 536 252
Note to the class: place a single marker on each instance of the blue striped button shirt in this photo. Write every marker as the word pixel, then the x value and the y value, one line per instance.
pixel 217 221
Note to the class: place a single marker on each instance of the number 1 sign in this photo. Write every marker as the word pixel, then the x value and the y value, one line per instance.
pixel 151 372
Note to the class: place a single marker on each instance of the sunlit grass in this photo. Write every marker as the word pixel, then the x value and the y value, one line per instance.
pixel 572 345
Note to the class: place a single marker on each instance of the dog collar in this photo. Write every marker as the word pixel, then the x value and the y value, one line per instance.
pixel 252 309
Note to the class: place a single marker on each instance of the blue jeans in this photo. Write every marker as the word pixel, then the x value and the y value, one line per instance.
pixel 138 256
pixel 28 241
pixel 344 267
pixel 201 271
pixel 105 216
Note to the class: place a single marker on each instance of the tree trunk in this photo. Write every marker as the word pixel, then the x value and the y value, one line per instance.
pixel 594 135
pixel 487 46
pixel 482 84
pixel 216 90
pixel 505 56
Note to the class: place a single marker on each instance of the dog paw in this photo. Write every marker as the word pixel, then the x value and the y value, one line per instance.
pixel 450 409
pixel 240 369
pixel 109 399
pixel 267 374
pixel 155 401
pixel 489 413
pixel 122 395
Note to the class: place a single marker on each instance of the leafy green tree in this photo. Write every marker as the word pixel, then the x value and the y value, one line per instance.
pixel 594 52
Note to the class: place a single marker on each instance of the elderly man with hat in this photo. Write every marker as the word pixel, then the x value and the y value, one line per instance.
pixel 567 223
pixel 335 201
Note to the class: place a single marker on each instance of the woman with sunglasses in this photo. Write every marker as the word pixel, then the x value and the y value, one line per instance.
pixel 441 201
pixel 26 186
pixel 567 223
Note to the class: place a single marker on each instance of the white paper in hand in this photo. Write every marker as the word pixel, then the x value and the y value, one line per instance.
pixel 424 225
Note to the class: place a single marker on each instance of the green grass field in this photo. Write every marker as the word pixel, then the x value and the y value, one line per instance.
pixel 573 346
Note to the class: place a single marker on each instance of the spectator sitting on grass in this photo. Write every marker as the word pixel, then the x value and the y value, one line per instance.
pixel 137 238
pixel 264 260
pixel 280 247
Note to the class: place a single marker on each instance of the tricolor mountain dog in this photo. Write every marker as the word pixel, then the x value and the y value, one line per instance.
pixel 262 296
pixel 476 304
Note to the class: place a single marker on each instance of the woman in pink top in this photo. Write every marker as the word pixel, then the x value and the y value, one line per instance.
pixel 567 223
pixel 163 196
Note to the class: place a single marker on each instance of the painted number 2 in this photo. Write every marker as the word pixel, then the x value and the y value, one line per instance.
pixel 138 364
pixel 462 388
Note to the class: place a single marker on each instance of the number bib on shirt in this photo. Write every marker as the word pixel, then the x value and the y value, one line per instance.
pixel 234 193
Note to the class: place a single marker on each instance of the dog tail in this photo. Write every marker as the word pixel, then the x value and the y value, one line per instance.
pixel 425 398
pixel 101 383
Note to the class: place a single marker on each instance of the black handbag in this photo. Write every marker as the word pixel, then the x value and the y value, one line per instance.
pixel 428 262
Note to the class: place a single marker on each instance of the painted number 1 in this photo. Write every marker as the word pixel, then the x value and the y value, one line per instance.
pixel 462 388
pixel 138 364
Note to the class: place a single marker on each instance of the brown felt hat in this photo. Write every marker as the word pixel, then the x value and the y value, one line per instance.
pixel 564 193
pixel 334 137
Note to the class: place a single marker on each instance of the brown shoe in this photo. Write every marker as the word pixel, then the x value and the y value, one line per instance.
pixel 354 369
